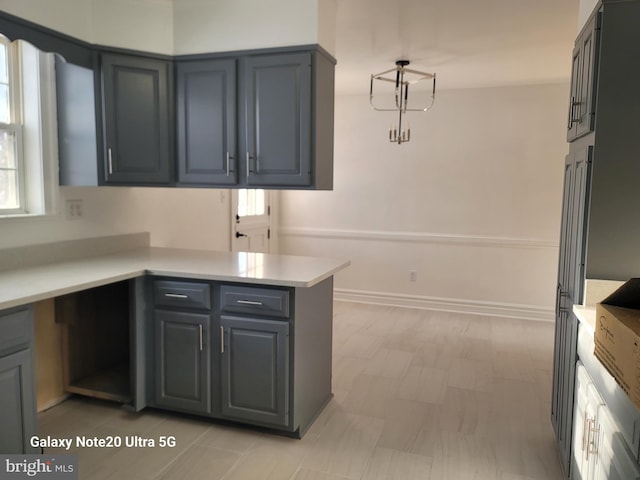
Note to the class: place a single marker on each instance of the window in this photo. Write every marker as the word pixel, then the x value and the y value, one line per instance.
pixel 28 135
pixel 251 202
pixel 11 166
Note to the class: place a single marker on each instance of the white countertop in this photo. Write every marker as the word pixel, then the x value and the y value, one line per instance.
pixel 595 291
pixel 21 286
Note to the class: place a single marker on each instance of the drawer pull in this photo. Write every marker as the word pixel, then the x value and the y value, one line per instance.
pixel 249 302
pixel 176 295
pixel 221 339
pixel 200 329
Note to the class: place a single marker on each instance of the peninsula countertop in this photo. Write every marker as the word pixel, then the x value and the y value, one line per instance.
pixel 31 284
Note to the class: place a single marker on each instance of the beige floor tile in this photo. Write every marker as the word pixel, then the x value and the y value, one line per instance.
pixel 388 363
pixel 345 445
pixel 387 464
pixel 369 394
pixel 306 474
pixel 470 375
pixel 423 384
pixel 346 369
pixel 226 437
pixel 200 461
pixel 362 345
pixel 463 457
pixel 402 424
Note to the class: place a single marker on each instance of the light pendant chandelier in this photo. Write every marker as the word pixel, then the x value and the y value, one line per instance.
pixel 403 78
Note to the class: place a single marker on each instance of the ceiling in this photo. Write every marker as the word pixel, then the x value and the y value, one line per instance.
pixel 467 43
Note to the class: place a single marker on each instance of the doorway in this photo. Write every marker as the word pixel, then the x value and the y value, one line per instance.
pixel 251 220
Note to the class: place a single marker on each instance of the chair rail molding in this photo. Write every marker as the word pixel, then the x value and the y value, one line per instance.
pixel 419 237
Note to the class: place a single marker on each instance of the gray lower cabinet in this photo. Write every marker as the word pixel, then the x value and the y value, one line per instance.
pixel 255 370
pixel 254 354
pixel 17 398
pixel 183 361
pixel 137 125
pixel 182 331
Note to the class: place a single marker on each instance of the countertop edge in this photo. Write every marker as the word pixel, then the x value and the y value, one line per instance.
pixel 33 284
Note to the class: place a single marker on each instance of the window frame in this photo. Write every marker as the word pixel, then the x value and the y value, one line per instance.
pixel 15 126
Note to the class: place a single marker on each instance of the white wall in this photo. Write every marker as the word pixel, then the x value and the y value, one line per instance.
pixel 181 218
pixel 224 25
pixel 472 203
pixel 136 24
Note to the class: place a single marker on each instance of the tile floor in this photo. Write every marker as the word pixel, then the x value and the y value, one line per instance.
pixel 418 395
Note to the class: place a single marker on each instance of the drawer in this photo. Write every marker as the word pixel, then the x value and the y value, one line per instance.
pixel 16 328
pixel 182 294
pixel 254 300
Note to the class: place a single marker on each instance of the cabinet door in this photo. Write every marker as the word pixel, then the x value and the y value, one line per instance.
pixel 183 359
pixel 137 126
pixel 583 80
pixel 574 94
pixel 565 225
pixel 206 121
pixel 255 370
pixel 588 45
pixel 613 460
pixel 277 107
pixel 17 404
pixel 586 425
pixel 580 202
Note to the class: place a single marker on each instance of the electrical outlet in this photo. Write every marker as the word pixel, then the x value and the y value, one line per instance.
pixel 74 209
pixel 413 276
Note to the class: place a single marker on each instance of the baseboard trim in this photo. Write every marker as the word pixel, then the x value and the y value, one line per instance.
pixel 417 237
pixel 496 309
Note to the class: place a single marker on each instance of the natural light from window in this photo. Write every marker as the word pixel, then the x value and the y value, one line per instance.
pixel 11 199
pixel 251 202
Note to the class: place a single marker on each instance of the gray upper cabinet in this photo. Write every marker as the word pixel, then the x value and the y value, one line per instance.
pixel 287 119
pixel 581 117
pixel 277 107
pixel 206 122
pixel 261 120
pixel 136 120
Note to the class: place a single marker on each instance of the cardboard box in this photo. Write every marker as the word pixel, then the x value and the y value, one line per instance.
pixel 617 337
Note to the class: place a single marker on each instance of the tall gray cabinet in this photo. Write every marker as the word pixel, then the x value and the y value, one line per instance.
pixel 600 227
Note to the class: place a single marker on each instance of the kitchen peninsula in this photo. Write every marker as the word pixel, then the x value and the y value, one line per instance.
pixel 244 337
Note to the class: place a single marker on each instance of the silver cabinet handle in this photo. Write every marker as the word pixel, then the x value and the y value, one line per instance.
pixel 110 159
pixel 200 328
pixel 176 295
pixel 592 443
pixel 572 113
pixel 221 339
pixel 248 166
pixel 249 302
pixel 229 157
